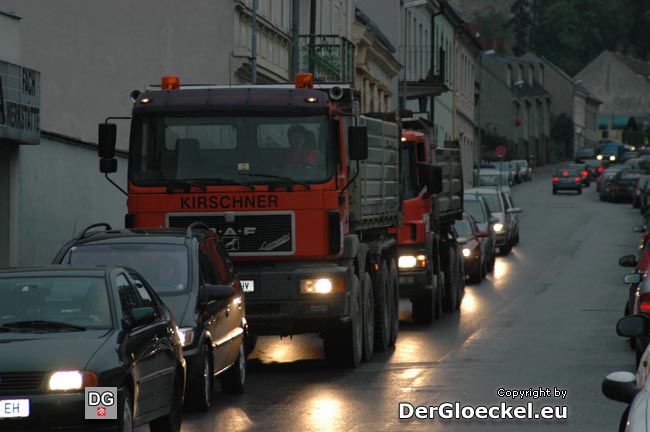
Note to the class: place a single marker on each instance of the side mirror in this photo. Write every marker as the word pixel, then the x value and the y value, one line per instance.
pixel 620 387
pixel 107 166
pixel 483 234
pixel 632 278
pixel 107 136
pixel 632 326
pixel 358 143
pixel 627 261
pixel 142 316
pixel 493 219
pixel 432 178
pixel 514 210
pixel 639 228
pixel 217 292
pixel 461 240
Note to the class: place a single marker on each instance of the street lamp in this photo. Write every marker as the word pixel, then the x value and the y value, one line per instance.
pixel 411 4
pixel 478 116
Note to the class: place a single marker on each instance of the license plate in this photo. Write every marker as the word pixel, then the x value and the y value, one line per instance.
pixel 14 408
pixel 247 285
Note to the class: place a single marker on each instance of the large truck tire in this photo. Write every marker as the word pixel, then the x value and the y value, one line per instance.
pixel 383 308
pixel 393 278
pixel 368 304
pixel 344 346
pixel 423 309
pixel 450 267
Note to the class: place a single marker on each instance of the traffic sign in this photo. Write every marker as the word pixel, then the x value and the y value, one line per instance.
pixel 500 151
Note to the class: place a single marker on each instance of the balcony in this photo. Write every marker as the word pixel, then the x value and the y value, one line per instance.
pixel 419 79
pixel 329 58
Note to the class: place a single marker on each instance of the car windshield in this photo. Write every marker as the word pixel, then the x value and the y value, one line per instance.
pixel 224 150
pixel 610 149
pixel 54 303
pixel 493 201
pixel 463 228
pixel 164 266
pixel 476 210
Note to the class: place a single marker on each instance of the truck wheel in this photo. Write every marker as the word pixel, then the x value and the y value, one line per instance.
pixel 423 308
pixel 368 305
pixel 451 287
pixel 344 347
pixel 383 308
pixel 393 278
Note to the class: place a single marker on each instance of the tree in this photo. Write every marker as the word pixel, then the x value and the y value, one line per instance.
pixel 562 132
pixel 520 25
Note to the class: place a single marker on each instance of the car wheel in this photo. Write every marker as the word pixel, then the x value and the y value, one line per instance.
pixel 201 388
pixel 125 413
pixel 580 191
pixel 383 312
pixel 234 380
pixel 393 278
pixel 344 346
pixel 172 421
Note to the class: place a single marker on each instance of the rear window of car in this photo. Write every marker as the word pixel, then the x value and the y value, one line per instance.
pixel 493 201
pixel 566 173
pixel 476 210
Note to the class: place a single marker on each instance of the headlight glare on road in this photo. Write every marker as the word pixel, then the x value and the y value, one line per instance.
pixel 71 380
pixel 466 252
pixel 498 227
pixel 186 335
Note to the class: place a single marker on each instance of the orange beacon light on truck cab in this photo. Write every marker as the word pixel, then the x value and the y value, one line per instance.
pixel 170 83
pixel 304 80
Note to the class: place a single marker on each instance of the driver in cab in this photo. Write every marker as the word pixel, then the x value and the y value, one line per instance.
pixel 300 156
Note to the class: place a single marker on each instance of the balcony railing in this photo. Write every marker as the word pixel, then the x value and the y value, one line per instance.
pixel 329 57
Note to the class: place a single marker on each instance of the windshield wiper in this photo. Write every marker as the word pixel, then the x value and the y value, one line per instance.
pixel 216 181
pixel 283 178
pixel 174 184
pixel 42 325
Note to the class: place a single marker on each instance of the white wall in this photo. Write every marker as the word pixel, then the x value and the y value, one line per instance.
pixel 56 186
pixel 9 38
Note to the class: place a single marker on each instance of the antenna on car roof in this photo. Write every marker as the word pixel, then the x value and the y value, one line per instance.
pixel 193 225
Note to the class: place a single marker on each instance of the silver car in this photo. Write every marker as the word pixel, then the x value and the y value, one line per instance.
pixel 505 228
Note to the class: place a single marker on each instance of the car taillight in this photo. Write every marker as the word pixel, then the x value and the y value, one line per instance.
pixel 565 173
pixel 644 304
pixel 585 173
pixel 555 179
pixel 578 180
pixel 601 169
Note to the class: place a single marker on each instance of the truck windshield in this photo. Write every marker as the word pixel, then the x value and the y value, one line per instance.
pixel 409 178
pixel 223 150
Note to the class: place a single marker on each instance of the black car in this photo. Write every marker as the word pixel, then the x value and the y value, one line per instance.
pixel 475 205
pixel 63 329
pixel 567 179
pixel 621 187
pixel 639 189
pixel 191 271
pixel 594 168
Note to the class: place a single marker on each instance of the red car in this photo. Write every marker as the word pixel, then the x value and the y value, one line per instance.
pixel 474 247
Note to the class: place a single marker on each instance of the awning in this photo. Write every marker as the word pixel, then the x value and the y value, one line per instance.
pixel 620 122
pixel 603 122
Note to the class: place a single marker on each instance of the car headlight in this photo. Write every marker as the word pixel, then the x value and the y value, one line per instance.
pixel 72 380
pixel 612 158
pixel 466 252
pixel 498 227
pixel 410 261
pixel 186 335
pixel 322 286
pixel 599 157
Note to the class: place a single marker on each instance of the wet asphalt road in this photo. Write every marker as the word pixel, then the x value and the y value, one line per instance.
pixel 545 318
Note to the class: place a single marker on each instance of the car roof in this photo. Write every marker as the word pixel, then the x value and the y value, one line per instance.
pixel 61 270
pixel 482 190
pixel 489 171
pixel 154 235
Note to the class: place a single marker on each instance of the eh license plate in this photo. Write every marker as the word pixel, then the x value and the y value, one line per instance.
pixel 14 408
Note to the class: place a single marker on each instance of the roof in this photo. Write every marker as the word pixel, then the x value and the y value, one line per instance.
pixel 158 235
pixel 637 66
pixel 372 28
pixel 86 270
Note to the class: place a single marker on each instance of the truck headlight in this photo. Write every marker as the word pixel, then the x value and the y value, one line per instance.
pixel 410 261
pixel 186 335
pixel 498 227
pixel 322 286
pixel 612 158
pixel 466 252
pixel 72 380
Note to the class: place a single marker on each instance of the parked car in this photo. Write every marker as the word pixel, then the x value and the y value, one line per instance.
pixel 594 168
pixel 603 182
pixel 582 171
pixel 494 177
pixel 65 328
pixel 478 208
pixel 504 228
pixel 629 155
pixel 475 249
pixel 567 179
pixel 639 187
pixel 523 170
pixel 192 272
pixel 585 153
pixel 515 217
pixel 621 187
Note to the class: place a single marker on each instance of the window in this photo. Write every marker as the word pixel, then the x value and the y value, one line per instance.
pixel 129 298
pixel 147 301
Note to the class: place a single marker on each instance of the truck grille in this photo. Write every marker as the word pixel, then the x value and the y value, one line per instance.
pixel 12 381
pixel 249 234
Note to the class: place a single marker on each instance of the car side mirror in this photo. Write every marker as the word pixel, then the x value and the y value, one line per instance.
pixel 620 387
pixel 632 326
pixel 514 210
pixel 142 316
pixel 627 261
pixel 639 228
pixel 358 143
pixel 632 278
pixel 483 234
pixel 461 240
pixel 217 292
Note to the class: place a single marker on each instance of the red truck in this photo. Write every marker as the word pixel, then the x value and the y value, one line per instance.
pixel 310 223
pixel 431 268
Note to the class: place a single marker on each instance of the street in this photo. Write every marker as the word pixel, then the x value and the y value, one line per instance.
pixel 545 318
